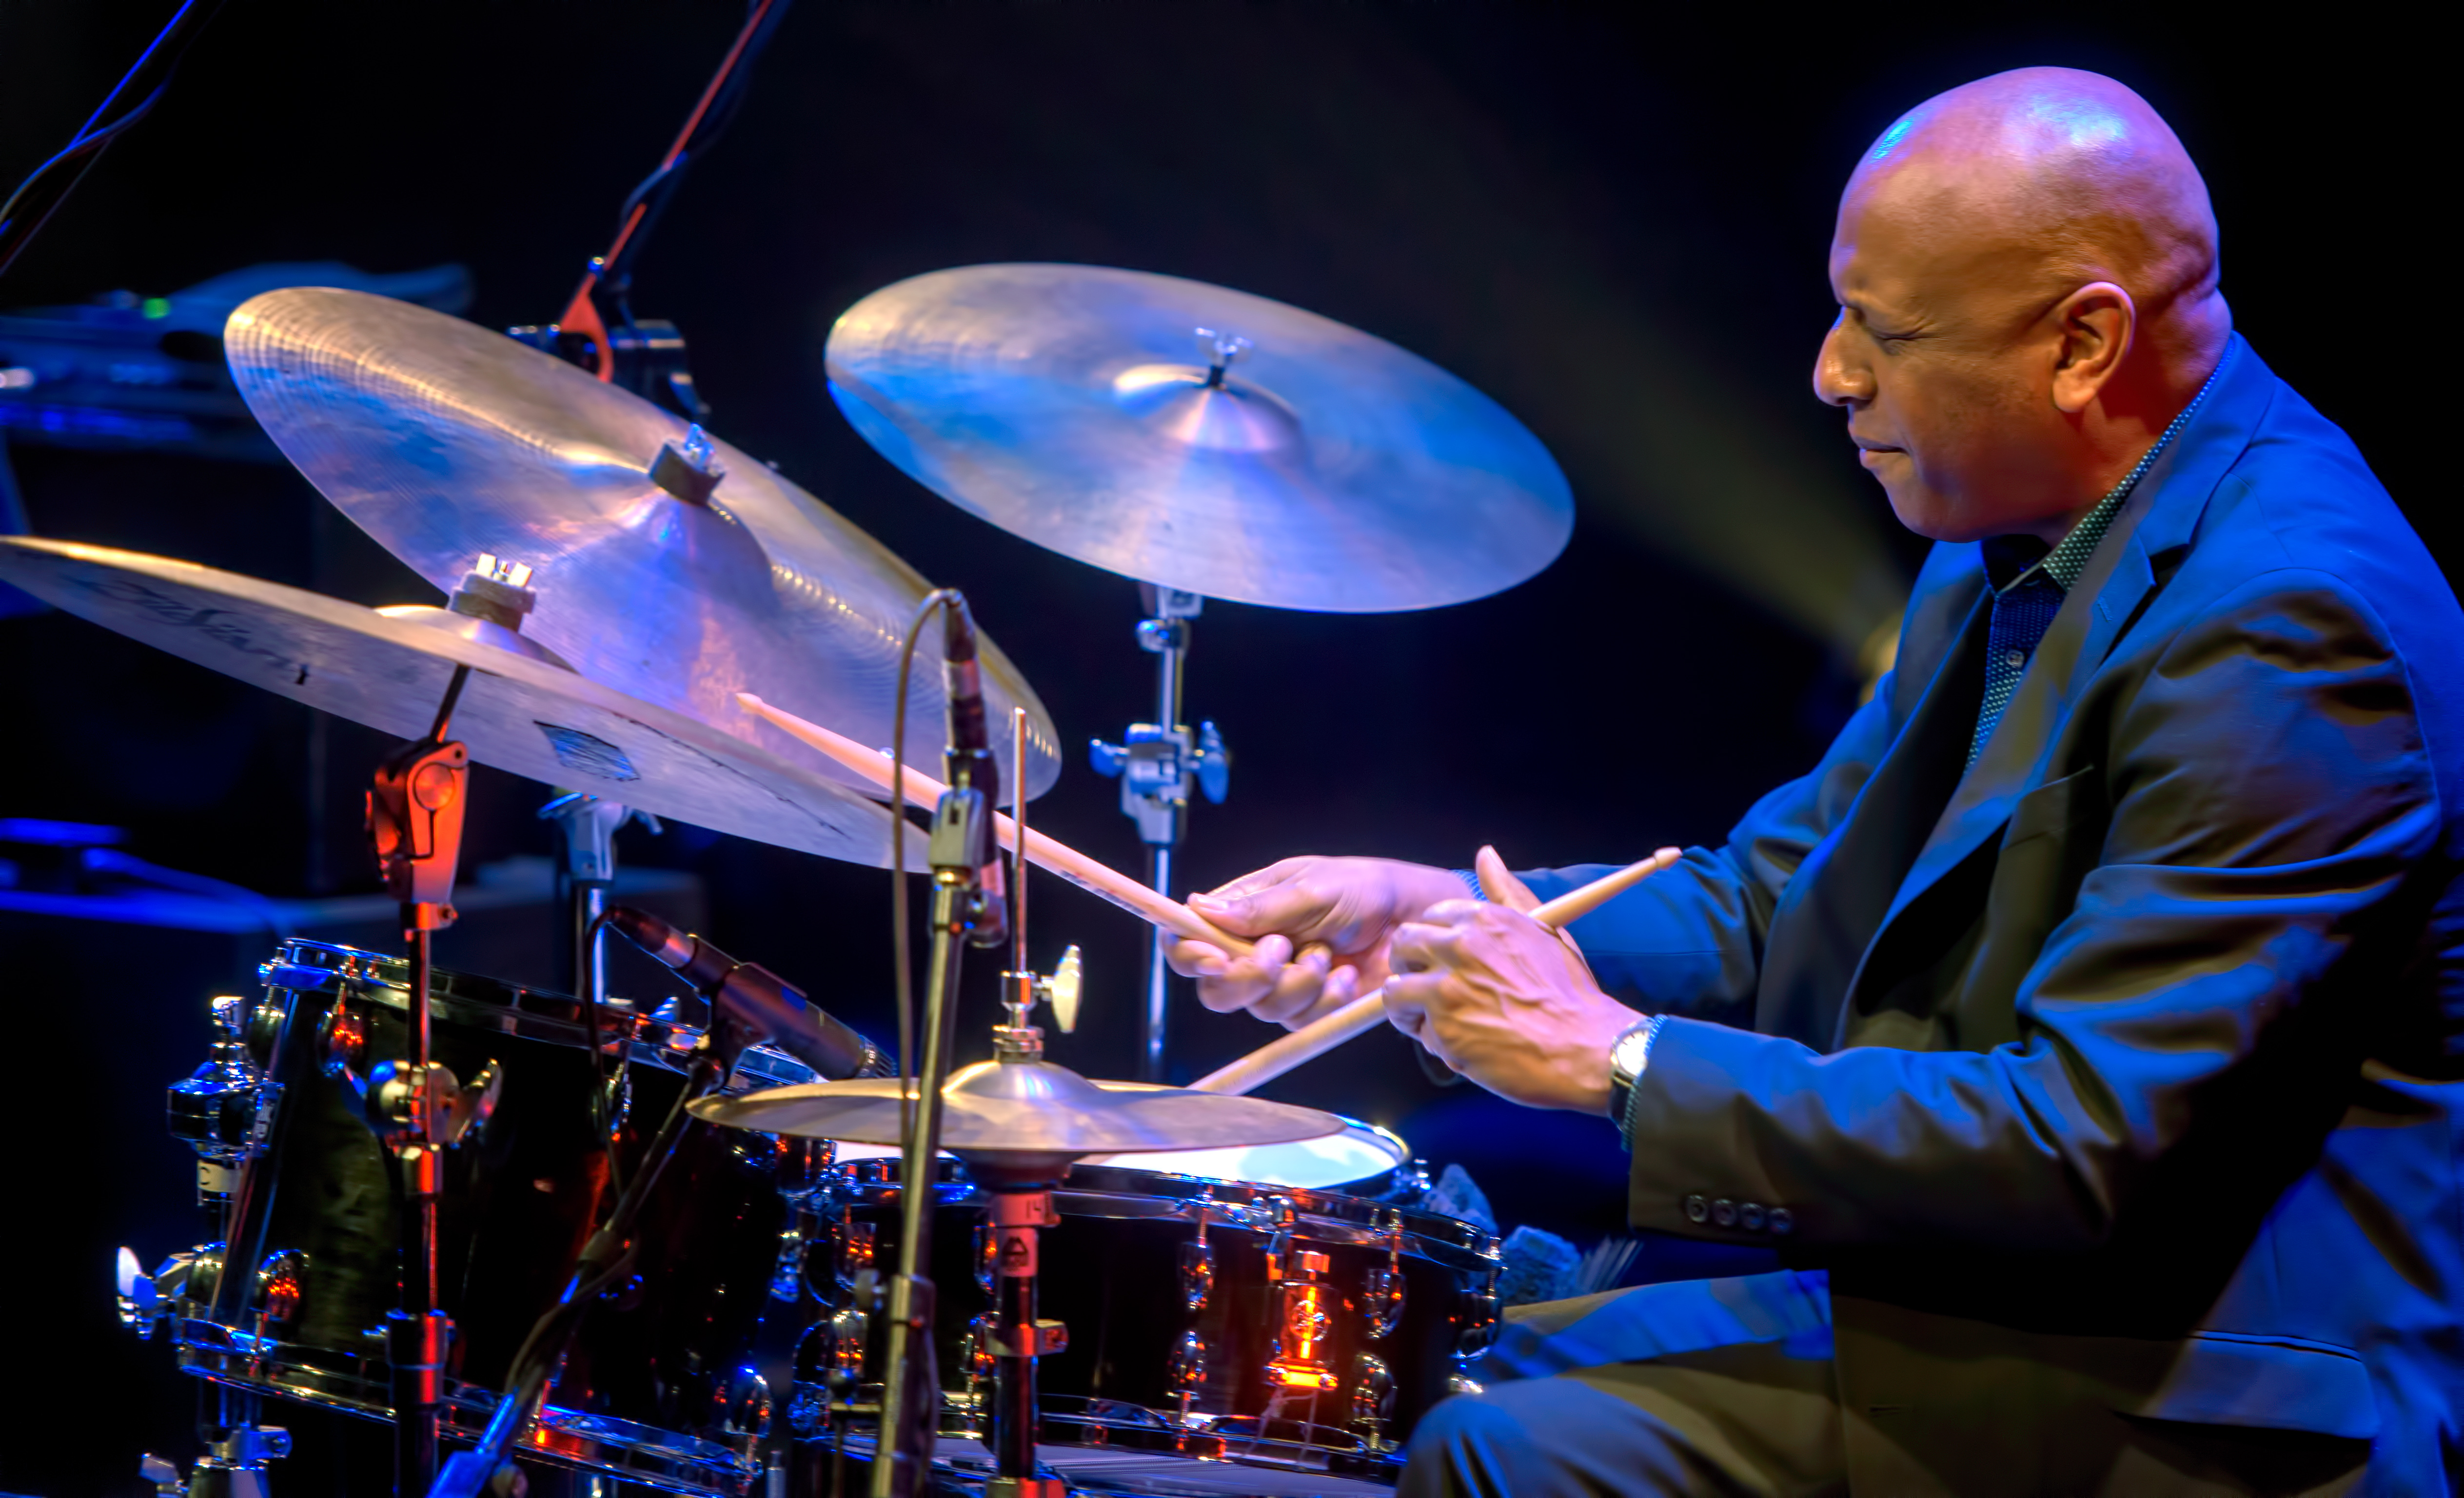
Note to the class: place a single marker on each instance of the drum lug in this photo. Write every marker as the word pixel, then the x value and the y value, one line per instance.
pixel 1187 1371
pixel 1197 1270
pixel 224 1110
pixel 1479 1324
pixel 281 1277
pixel 1373 1401
pixel 787 1275
pixel 1304 1321
pixel 1382 1289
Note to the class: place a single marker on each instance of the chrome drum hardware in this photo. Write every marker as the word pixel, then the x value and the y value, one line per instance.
pixel 663 1386
pixel 1225 1320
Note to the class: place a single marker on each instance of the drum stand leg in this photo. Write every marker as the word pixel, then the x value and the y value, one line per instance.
pixel 415 814
pixel 1018 1213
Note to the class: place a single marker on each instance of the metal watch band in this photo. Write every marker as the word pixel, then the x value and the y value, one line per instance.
pixel 1621 1082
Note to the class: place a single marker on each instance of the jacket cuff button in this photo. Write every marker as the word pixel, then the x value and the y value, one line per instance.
pixel 1696 1209
pixel 1724 1213
pixel 1749 1217
pixel 1783 1221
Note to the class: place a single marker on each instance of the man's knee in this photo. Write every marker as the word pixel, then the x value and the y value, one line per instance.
pixel 1468 1445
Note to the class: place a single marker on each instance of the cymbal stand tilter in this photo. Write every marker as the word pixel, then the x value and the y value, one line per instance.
pixel 417 1107
pixel 1158 764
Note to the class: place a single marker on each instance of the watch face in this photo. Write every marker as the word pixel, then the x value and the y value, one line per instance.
pixel 1630 1051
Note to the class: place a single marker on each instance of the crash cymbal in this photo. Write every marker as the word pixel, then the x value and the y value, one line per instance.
pixel 389 671
pixel 445 440
pixel 1320 468
pixel 1026 1108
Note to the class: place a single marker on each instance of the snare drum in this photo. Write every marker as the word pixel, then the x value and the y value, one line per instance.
pixel 659 1387
pixel 1262 1324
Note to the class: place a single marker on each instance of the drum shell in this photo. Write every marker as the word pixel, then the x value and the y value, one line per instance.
pixel 522 1193
pixel 1111 1271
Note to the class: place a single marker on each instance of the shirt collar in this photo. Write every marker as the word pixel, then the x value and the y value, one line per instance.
pixel 2011 561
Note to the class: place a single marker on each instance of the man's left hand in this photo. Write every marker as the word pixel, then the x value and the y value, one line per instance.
pixel 1508 1003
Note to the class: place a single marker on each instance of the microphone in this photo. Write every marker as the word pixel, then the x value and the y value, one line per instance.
pixel 970 763
pixel 756 997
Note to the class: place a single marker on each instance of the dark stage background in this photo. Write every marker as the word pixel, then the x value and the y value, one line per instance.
pixel 1610 219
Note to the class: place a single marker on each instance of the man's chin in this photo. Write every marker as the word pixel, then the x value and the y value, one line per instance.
pixel 1922 510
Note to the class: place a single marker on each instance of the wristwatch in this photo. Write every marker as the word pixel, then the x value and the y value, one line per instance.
pixel 1628 1056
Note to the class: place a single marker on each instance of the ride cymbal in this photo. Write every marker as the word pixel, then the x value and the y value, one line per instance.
pixel 1197 437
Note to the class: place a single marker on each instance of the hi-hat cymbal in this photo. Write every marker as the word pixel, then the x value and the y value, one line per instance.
pixel 1323 469
pixel 1025 1109
pixel 445 440
pixel 389 671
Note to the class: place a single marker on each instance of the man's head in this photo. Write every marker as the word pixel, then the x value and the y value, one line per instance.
pixel 2026 270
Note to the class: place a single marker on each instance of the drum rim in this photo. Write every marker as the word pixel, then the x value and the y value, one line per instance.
pixel 627 1450
pixel 1239 1206
pixel 493 1003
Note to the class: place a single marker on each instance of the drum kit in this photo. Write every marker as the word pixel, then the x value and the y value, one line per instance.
pixel 720 1245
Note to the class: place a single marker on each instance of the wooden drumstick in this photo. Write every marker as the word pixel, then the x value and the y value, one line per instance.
pixel 1088 874
pixel 1363 1014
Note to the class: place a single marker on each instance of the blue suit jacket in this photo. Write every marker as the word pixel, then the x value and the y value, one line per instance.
pixel 2127 1061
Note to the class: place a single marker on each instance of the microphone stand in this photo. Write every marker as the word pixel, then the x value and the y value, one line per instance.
pixel 598 331
pixel 965 911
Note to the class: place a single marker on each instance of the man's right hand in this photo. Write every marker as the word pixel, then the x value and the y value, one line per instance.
pixel 1321 925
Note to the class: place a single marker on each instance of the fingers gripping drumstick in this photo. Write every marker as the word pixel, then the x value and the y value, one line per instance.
pixel 1043 851
pixel 1362 1014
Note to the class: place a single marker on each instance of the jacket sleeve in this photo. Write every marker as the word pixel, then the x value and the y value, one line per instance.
pixel 2268 793
pixel 1689 940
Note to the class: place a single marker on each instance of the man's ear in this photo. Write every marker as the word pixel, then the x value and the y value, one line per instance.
pixel 2097 323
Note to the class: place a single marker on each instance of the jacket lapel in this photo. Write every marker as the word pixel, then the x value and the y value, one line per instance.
pixel 1834 904
pixel 2162 514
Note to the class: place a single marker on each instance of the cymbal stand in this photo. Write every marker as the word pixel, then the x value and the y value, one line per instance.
pixel 415 812
pixel 1158 764
pixel 588 825
pixel 1019 1204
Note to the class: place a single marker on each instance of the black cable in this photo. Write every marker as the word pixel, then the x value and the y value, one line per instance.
pixel 939 597
pixel 600 1118
pixel 32 204
pixel 654 191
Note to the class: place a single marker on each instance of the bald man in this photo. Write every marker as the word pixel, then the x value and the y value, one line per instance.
pixel 2081 1038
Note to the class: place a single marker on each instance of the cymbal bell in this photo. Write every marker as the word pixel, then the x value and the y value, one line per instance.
pixel 445 440
pixel 1199 437
pixel 1024 1108
pixel 520 712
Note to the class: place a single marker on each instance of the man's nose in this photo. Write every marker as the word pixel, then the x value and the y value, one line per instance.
pixel 1837 380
